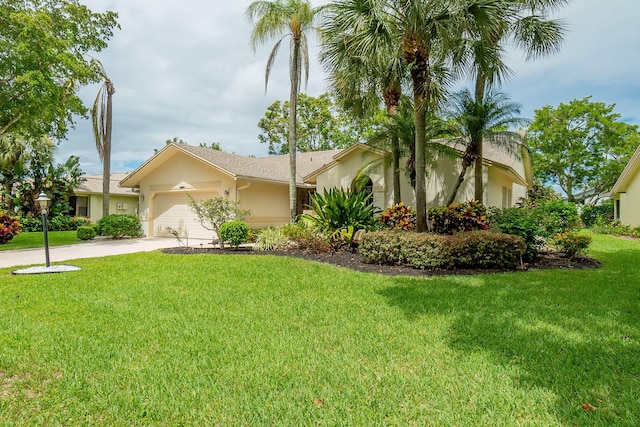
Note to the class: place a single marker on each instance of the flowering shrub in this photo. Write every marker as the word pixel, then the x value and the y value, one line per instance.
pixel 399 217
pixel 571 243
pixel 459 217
pixel 9 228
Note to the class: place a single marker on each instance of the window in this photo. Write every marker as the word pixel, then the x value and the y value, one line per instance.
pixel 79 205
pixel 363 183
pixel 507 194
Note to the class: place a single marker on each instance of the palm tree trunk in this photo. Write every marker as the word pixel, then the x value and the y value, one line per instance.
pixel 421 164
pixel 479 183
pixel 293 137
pixel 465 165
pixel 106 154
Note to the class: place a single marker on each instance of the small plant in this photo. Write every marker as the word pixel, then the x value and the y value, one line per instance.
pixel 337 209
pixel 179 233
pixel 571 244
pixel 119 226
pixel 9 227
pixel 398 217
pixel 457 217
pixel 270 239
pixel 86 232
pixel 212 213
pixel 234 232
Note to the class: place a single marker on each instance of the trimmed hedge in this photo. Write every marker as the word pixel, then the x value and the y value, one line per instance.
pixel 476 249
pixel 54 223
pixel 234 232
pixel 86 232
pixel 119 226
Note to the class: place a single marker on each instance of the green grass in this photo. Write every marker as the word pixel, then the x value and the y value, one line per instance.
pixel 36 240
pixel 155 339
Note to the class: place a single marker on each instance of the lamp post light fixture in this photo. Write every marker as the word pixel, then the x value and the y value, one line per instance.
pixel 43 201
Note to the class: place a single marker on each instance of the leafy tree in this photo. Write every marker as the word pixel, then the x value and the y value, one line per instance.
pixel 212 213
pixel 102 117
pixel 23 176
pixel 43 46
pixel 580 146
pixel 321 126
pixel 286 18
pixel 488 119
pixel 212 146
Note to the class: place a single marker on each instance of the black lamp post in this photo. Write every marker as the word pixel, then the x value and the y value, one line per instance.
pixel 43 201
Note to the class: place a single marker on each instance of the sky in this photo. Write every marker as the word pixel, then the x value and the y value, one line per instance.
pixel 188 71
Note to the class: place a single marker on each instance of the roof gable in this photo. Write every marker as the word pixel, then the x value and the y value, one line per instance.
pixel 630 172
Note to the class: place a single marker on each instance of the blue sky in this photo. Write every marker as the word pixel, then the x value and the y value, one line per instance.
pixel 188 71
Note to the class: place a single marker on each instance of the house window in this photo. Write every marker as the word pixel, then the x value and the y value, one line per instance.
pixel 363 183
pixel 79 205
pixel 618 209
pixel 507 194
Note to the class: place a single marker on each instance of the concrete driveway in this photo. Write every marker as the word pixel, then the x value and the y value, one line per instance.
pixel 95 249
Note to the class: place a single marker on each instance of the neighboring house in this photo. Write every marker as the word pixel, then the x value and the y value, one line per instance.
pixel 626 192
pixel 262 184
pixel 87 198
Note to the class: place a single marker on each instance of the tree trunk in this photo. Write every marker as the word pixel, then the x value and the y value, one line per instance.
pixel 294 71
pixel 479 183
pixel 392 94
pixel 106 151
pixel 466 162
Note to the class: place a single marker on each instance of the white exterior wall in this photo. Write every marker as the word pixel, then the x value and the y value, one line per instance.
pixel 630 203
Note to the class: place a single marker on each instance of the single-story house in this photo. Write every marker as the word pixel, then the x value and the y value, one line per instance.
pixel 262 184
pixel 87 198
pixel 626 192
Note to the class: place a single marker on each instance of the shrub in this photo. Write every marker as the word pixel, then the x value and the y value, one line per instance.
pixel 86 232
pixel 54 223
pixel 398 217
pixel 270 239
pixel 427 250
pixel 337 209
pixel 31 224
pixel 119 226
pixel 572 244
pixel 234 232
pixel 458 217
pixel 519 222
pixel 556 216
pixel 590 214
pixel 212 213
pixel 9 227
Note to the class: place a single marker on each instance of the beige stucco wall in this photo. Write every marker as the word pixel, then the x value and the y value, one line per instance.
pixel 499 178
pixel 269 203
pixel 346 169
pixel 630 202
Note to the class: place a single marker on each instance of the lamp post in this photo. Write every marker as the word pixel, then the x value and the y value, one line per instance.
pixel 43 201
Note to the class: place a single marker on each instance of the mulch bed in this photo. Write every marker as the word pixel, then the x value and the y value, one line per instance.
pixel 547 259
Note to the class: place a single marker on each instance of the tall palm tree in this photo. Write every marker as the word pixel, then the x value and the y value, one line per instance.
pixel 282 19
pixel 523 21
pixel 362 82
pixel 488 119
pixel 101 115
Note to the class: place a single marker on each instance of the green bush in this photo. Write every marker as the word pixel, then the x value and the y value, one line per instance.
pixel 336 210
pixel 478 249
pixel 458 217
pixel 398 217
pixel 234 232
pixel 9 227
pixel 270 239
pixel 119 226
pixel 86 232
pixel 519 222
pixel 556 216
pixel 615 228
pixel 590 214
pixel 54 223
pixel 31 224
pixel 572 244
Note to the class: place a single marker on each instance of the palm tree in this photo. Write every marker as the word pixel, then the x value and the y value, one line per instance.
pixel 362 82
pixel 488 119
pixel 285 18
pixel 523 21
pixel 101 115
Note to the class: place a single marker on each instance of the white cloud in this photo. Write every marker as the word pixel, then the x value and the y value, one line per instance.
pixel 188 71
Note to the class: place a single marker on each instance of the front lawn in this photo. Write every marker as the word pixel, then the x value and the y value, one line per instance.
pixel 158 339
pixel 36 240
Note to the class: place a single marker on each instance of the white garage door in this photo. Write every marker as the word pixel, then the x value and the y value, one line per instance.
pixel 172 210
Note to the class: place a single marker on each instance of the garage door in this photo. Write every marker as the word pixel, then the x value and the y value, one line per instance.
pixel 172 210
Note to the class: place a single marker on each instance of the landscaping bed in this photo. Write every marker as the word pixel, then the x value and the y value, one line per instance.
pixel 547 259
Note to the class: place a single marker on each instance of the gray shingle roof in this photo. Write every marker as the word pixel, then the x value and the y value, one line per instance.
pixel 93 185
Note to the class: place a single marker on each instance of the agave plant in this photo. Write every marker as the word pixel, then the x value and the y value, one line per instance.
pixel 339 213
